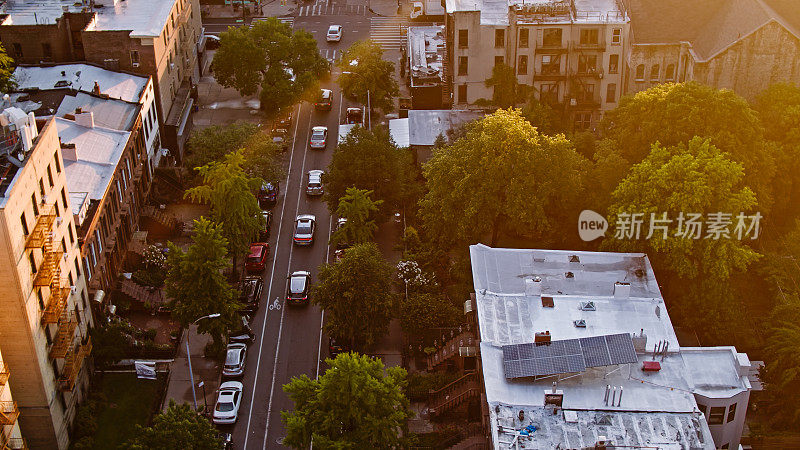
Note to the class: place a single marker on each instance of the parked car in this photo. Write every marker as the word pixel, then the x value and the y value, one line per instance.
pixel 354 115
pixel 257 259
pixel 284 121
pixel 334 33
pixel 264 234
pixel 314 185
pixel 227 440
pixel 212 42
pixel 324 100
pixel 234 360
pixel 250 294
pixel 297 288
pixel 268 194
pixel 319 138
pixel 305 225
pixel 229 398
pixel 334 347
pixel 243 334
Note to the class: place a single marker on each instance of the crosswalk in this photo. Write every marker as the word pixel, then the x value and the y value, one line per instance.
pixel 389 32
pixel 332 55
pixel 287 20
pixel 327 9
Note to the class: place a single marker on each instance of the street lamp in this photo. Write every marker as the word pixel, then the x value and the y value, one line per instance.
pixel 189 355
pixel 369 108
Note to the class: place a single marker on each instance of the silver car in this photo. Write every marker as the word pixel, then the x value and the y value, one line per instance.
pixel 314 186
pixel 304 229
pixel 319 138
pixel 234 360
pixel 229 398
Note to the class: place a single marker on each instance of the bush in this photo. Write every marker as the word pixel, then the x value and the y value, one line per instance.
pixel 149 277
pixel 420 384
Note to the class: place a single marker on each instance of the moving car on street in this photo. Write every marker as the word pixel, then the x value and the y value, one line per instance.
pixel 324 100
pixel 229 398
pixel 334 33
pixel 297 288
pixel 314 186
pixel 319 138
pixel 234 360
pixel 304 229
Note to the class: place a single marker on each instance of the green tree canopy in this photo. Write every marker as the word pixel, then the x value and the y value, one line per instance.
pixel 356 294
pixel 358 403
pixel 196 284
pixel 422 311
pixel 507 91
pixel 177 428
pixel 542 116
pixel 229 191
pixel 366 160
pixel 271 57
pixel 501 176
pixel 360 210
pixel 213 143
pixel 687 178
pixel 673 113
pixel 109 343
pixel 368 72
pixel 7 82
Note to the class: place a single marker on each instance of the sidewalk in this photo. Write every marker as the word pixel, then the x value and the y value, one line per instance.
pixel 179 388
pixel 390 348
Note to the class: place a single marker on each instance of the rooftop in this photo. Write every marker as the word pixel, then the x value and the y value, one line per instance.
pixel 108 112
pixel 496 12
pixel 424 126
pixel 81 77
pixel 143 18
pixel 426 51
pixel 97 153
pixel 717 372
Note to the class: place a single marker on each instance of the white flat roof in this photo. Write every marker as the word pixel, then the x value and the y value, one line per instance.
pixel 143 18
pixel 82 77
pixel 496 12
pixel 398 130
pixel 99 151
pixel 717 372
pixel 425 125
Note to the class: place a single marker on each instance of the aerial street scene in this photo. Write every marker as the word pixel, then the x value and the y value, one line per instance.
pixel 400 224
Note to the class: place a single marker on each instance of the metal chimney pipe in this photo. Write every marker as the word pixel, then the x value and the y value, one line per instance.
pixel 613 395
pixel 664 351
pixel 619 402
pixel 554 386
pixel 608 391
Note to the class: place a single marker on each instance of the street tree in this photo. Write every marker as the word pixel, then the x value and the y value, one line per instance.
pixel 213 143
pixel 357 403
pixel 368 71
pixel 542 116
pixel 366 160
pixel 359 210
pixel 673 113
pixel 196 284
pixel 507 91
pixel 679 180
pixel 503 176
pixel 422 311
pixel 7 82
pixel 229 190
pixel 269 57
pixel 356 294
pixel 177 428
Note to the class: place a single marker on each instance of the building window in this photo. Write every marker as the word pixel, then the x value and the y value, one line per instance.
pixel 498 61
pixel 71 236
pixel 589 36
pixel 119 191
pixel 462 93
pixel 124 180
pixel 99 237
pixel 58 164
pixel 94 255
pixel 731 413
pixel 654 73
pixel 64 245
pixel 17 49
pixel 499 38
pixel 524 35
pixel 587 63
pixel 551 37
pixel 88 268
pixel 32 261
pixel 35 205
pixel 47 50
pixel 41 299
pixel 77 267
pixel 616 36
pixel 463 63
pixel 135 57
pixel 583 120
pixel 611 93
pixel 586 93
pixel 640 72
pixel 463 38
pixel 551 64
pixel 549 93
pixel 41 189
pixel 58 210
pixel 49 338
pixel 522 66
pixel 613 63
pixel 716 415
pixel 128 166
pixel 71 280
pixel 24 224
pixel 64 198
pixel 670 72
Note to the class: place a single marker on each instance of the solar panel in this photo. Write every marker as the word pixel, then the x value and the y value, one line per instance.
pixel 567 355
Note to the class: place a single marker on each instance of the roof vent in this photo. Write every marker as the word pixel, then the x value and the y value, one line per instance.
pixel 639 273
pixel 541 337
pixel 569 275
pixel 622 289
pixel 547 302
pixel 574 258
pixel 651 366
pixel 533 286
pixel 580 323
pixel 588 306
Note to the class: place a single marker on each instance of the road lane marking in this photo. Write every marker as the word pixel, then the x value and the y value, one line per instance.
pixel 271 278
pixel 288 272
pixel 322 316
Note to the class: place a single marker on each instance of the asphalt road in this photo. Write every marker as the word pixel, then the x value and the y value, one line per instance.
pixel 289 341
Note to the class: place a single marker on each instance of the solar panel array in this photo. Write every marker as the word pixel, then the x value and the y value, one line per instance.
pixel 567 355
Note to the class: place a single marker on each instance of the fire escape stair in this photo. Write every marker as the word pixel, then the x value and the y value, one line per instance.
pixel 144 294
pixel 64 336
pixel 73 362
pixel 9 412
pixel 454 394
pixel 57 302
pixel 451 349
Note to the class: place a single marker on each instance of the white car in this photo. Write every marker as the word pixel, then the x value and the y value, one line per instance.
pixel 334 33
pixel 234 360
pixel 229 398
pixel 314 186
pixel 319 138
pixel 304 229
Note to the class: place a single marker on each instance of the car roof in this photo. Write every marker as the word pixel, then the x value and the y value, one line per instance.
pixel 257 249
pixel 326 91
pixel 334 27
pixel 319 129
pixel 315 173
pixel 306 217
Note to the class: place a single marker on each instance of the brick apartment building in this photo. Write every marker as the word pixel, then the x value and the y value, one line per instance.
pixel 150 37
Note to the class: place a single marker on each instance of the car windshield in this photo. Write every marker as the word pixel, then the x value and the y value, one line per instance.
pixel 314 184
pixel 297 284
pixel 318 135
pixel 304 227
pixel 233 358
pixel 225 406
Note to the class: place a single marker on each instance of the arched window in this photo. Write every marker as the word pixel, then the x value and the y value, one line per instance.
pixel 654 73
pixel 671 72
pixel 640 72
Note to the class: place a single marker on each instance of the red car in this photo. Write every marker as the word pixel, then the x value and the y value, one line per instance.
pixel 257 259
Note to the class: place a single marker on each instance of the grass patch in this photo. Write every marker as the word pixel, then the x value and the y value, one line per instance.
pixel 130 401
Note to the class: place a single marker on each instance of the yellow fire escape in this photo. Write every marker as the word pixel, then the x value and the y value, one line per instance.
pixel 73 361
pixel 49 273
pixel 9 412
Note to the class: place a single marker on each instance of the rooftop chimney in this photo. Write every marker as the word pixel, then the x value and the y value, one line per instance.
pixel 69 152
pixel 622 290
pixel 542 337
pixel 640 342
pixel 85 119
pixel 96 88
